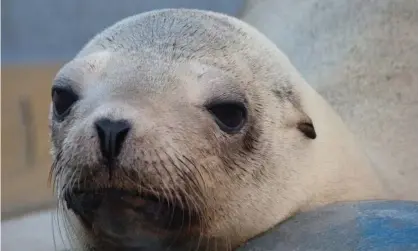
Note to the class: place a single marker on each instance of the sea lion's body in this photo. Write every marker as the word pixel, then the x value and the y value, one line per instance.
pixel 361 57
pixel 217 126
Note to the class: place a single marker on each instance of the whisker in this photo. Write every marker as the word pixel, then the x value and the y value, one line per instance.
pixel 165 188
pixel 196 169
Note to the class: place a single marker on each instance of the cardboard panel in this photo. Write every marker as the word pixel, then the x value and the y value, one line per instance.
pixel 25 144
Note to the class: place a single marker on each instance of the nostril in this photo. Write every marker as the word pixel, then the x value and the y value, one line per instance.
pixel 120 139
pixel 112 135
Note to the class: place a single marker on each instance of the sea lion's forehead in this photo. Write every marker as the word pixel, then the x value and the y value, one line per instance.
pixel 187 31
pixel 105 74
pixel 190 54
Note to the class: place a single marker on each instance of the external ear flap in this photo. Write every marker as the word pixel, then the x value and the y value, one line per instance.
pixel 307 128
pixel 302 120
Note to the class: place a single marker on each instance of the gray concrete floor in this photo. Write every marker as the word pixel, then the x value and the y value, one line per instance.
pixel 34 232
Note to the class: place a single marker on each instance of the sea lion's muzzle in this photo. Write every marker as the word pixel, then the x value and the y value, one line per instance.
pixel 113 204
pixel 125 217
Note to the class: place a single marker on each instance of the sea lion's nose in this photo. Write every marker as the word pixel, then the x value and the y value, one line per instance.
pixel 112 134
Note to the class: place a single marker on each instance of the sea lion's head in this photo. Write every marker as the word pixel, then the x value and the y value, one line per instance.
pixel 175 128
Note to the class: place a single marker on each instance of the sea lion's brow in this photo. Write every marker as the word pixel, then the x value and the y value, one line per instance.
pixel 226 93
pixel 226 97
pixel 65 82
pixel 62 81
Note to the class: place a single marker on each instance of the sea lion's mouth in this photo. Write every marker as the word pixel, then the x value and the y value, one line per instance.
pixel 144 212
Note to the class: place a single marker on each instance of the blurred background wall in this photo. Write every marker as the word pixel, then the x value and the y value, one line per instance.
pixel 38 36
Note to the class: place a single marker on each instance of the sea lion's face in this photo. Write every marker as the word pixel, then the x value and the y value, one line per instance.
pixel 152 151
pixel 141 157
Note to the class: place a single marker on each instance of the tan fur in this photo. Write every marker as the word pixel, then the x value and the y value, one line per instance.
pixel 361 56
pixel 157 69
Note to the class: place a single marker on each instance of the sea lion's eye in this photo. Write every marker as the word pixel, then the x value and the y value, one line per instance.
pixel 63 99
pixel 230 116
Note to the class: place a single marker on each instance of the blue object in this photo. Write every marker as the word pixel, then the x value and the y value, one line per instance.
pixel 354 226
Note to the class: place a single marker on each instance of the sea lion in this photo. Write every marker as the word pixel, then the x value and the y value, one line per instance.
pixel 189 129
pixel 360 56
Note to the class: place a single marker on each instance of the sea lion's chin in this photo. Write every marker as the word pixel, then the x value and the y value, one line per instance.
pixel 129 219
